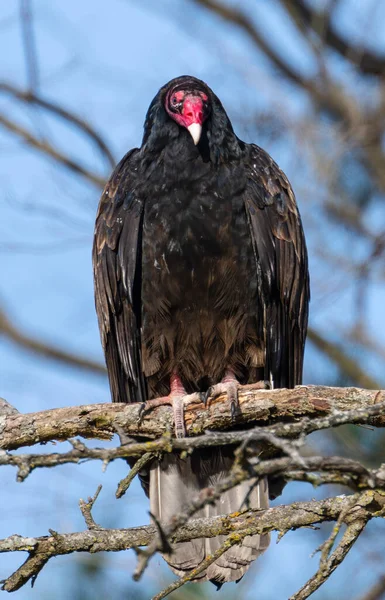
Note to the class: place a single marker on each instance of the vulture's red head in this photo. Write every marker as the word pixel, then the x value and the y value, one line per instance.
pixel 188 104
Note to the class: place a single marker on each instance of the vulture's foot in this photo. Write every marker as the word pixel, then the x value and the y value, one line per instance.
pixel 178 399
pixel 178 403
pixel 229 385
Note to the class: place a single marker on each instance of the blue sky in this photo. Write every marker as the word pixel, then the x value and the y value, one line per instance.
pixel 105 61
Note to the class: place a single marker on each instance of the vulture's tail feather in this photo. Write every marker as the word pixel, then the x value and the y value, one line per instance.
pixel 173 483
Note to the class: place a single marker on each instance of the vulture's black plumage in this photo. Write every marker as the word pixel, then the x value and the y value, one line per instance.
pixel 200 271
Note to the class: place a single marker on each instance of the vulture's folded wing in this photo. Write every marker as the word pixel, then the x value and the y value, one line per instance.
pixel 117 264
pixel 281 258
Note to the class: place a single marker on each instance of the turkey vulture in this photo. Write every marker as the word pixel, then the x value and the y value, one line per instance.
pixel 201 280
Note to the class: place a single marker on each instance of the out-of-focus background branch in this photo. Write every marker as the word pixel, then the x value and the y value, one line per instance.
pixel 305 79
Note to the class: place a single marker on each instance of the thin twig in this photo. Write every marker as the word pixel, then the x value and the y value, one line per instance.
pixel 328 544
pixel 86 508
pixel 353 531
pixel 125 483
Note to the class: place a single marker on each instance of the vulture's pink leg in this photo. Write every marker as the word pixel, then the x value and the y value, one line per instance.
pixel 176 399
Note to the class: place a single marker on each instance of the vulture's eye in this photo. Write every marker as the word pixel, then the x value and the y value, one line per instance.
pixel 176 100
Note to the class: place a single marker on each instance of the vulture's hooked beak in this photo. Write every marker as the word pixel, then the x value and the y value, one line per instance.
pixel 195 130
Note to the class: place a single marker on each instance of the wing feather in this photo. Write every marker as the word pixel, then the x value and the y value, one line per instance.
pixel 281 257
pixel 117 275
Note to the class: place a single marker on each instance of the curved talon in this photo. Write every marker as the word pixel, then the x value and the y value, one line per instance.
pixel 149 405
pixel 206 395
pixel 229 387
pixel 142 409
pixel 232 395
pixel 233 410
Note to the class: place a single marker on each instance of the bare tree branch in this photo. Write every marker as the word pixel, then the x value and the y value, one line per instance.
pixel 336 405
pixel 350 536
pixel 327 93
pixel 376 592
pixel 324 90
pixel 256 406
pixel 281 518
pixel 292 468
pixel 52 152
pixel 365 60
pixel 346 364
pixel 30 97
pixel 27 342
pixel 86 508
pixel 243 21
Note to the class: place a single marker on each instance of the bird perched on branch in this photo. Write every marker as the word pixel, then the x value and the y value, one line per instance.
pixel 201 283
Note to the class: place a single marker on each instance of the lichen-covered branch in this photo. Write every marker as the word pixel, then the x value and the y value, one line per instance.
pixel 281 518
pixel 277 422
pixel 270 439
pixel 316 470
pixel 355 526
pixel 255 406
